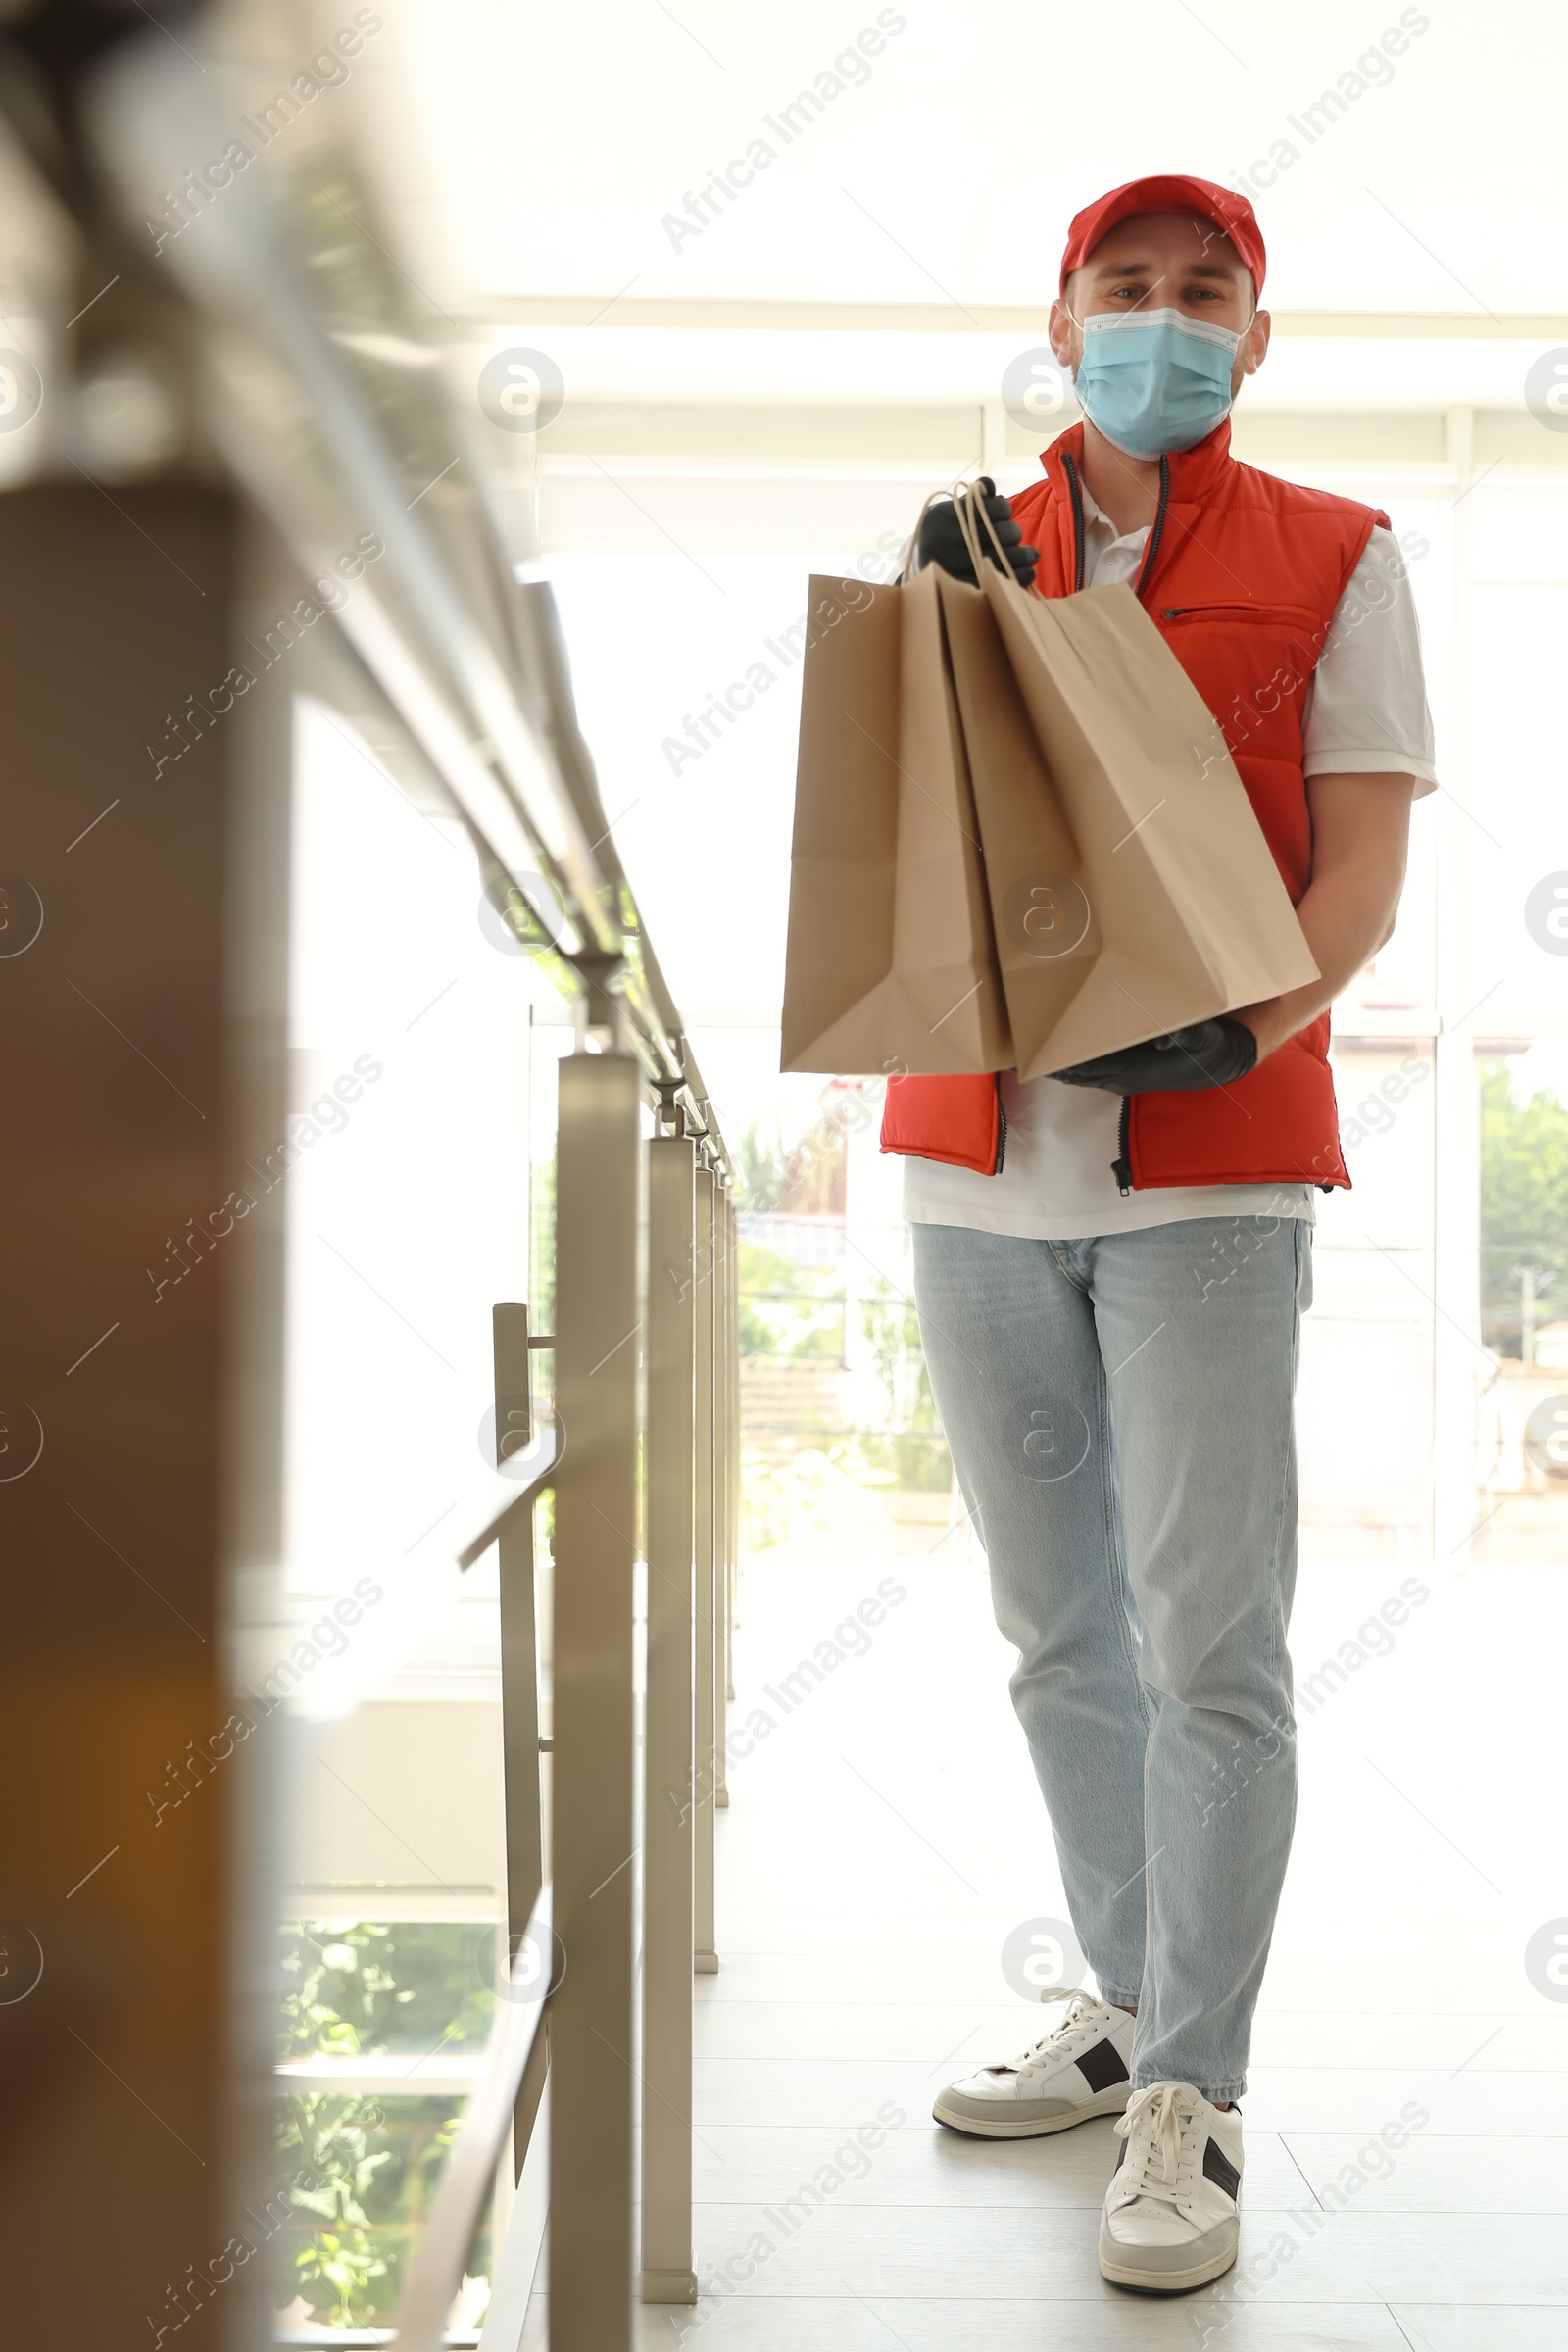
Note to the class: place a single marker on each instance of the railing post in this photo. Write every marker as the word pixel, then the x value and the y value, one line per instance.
pixel 724 1692
pixel 732 1389
pixel 672 1790
pixel 706 1785
pixel 599 1170
pixel 520 1683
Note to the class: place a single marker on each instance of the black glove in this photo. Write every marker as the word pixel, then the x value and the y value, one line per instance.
pixel 1210 1054
pixel 942 542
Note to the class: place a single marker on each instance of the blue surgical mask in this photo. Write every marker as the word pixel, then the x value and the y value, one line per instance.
pixel 1154 381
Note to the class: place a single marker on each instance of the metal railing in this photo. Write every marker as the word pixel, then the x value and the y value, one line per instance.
pixel 645 1253
pixel 320 382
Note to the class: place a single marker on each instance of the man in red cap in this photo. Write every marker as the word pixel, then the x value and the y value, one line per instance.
pixel 1111 1263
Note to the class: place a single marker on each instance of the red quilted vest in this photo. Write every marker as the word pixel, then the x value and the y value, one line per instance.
pixel 1241 576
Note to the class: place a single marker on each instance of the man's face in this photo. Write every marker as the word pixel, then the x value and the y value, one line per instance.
pixel 1164 262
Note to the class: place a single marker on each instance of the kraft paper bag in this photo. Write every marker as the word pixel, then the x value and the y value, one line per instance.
pixel 1131 887
pixel 889 965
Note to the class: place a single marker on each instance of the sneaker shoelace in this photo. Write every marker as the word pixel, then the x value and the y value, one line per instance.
pixel 1158 2127
pixel 1082 2016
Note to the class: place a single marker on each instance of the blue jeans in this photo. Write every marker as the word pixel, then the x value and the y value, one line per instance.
pixel 1119 1414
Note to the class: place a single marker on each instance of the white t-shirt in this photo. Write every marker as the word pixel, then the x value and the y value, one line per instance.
pixel 1365 714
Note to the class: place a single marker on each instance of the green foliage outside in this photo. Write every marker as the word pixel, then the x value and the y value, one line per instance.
pixel 372 1989
pixel 335 2147
pixel 793 1313
pixel 911 1460
pixel 1524 1209
pixel 542 1245
pixel 759 1163
pixel 790 1312
pixel 375 2164
pixel 813 1489
pixel 893 1328
pixel 808 1180
pixel 911 1453
pixel 362 2169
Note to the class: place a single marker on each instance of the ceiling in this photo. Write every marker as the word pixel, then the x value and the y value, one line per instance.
pixel 944 168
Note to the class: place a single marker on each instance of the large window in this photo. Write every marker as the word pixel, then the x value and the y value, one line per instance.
pixel 411 1204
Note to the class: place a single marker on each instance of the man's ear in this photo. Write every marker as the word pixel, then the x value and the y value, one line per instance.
pixel 1060 332
pixel 1256 346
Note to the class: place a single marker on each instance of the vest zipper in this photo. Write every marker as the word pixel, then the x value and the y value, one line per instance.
pixel 1121 1167
pixel 1157 534
pixel 1077 497
pixel 1001 1124
pixel 1154 536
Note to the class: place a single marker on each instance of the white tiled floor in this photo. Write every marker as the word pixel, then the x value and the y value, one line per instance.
pixel 886 1834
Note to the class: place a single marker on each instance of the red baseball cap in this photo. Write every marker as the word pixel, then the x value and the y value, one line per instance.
pixel 1167 193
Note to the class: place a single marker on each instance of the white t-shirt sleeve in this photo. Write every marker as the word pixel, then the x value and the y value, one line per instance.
pixel 1366 707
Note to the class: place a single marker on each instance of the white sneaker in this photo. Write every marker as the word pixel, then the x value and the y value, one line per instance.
pixel 1081 2068
pixel 1171 2216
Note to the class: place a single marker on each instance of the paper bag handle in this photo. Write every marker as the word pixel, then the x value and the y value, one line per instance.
pixel 911 545
pixel 968 505
pixel 959 497
pixel 964 505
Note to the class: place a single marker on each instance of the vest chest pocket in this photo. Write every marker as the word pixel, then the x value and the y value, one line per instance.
pixel 1252 662
pixel 1291 616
